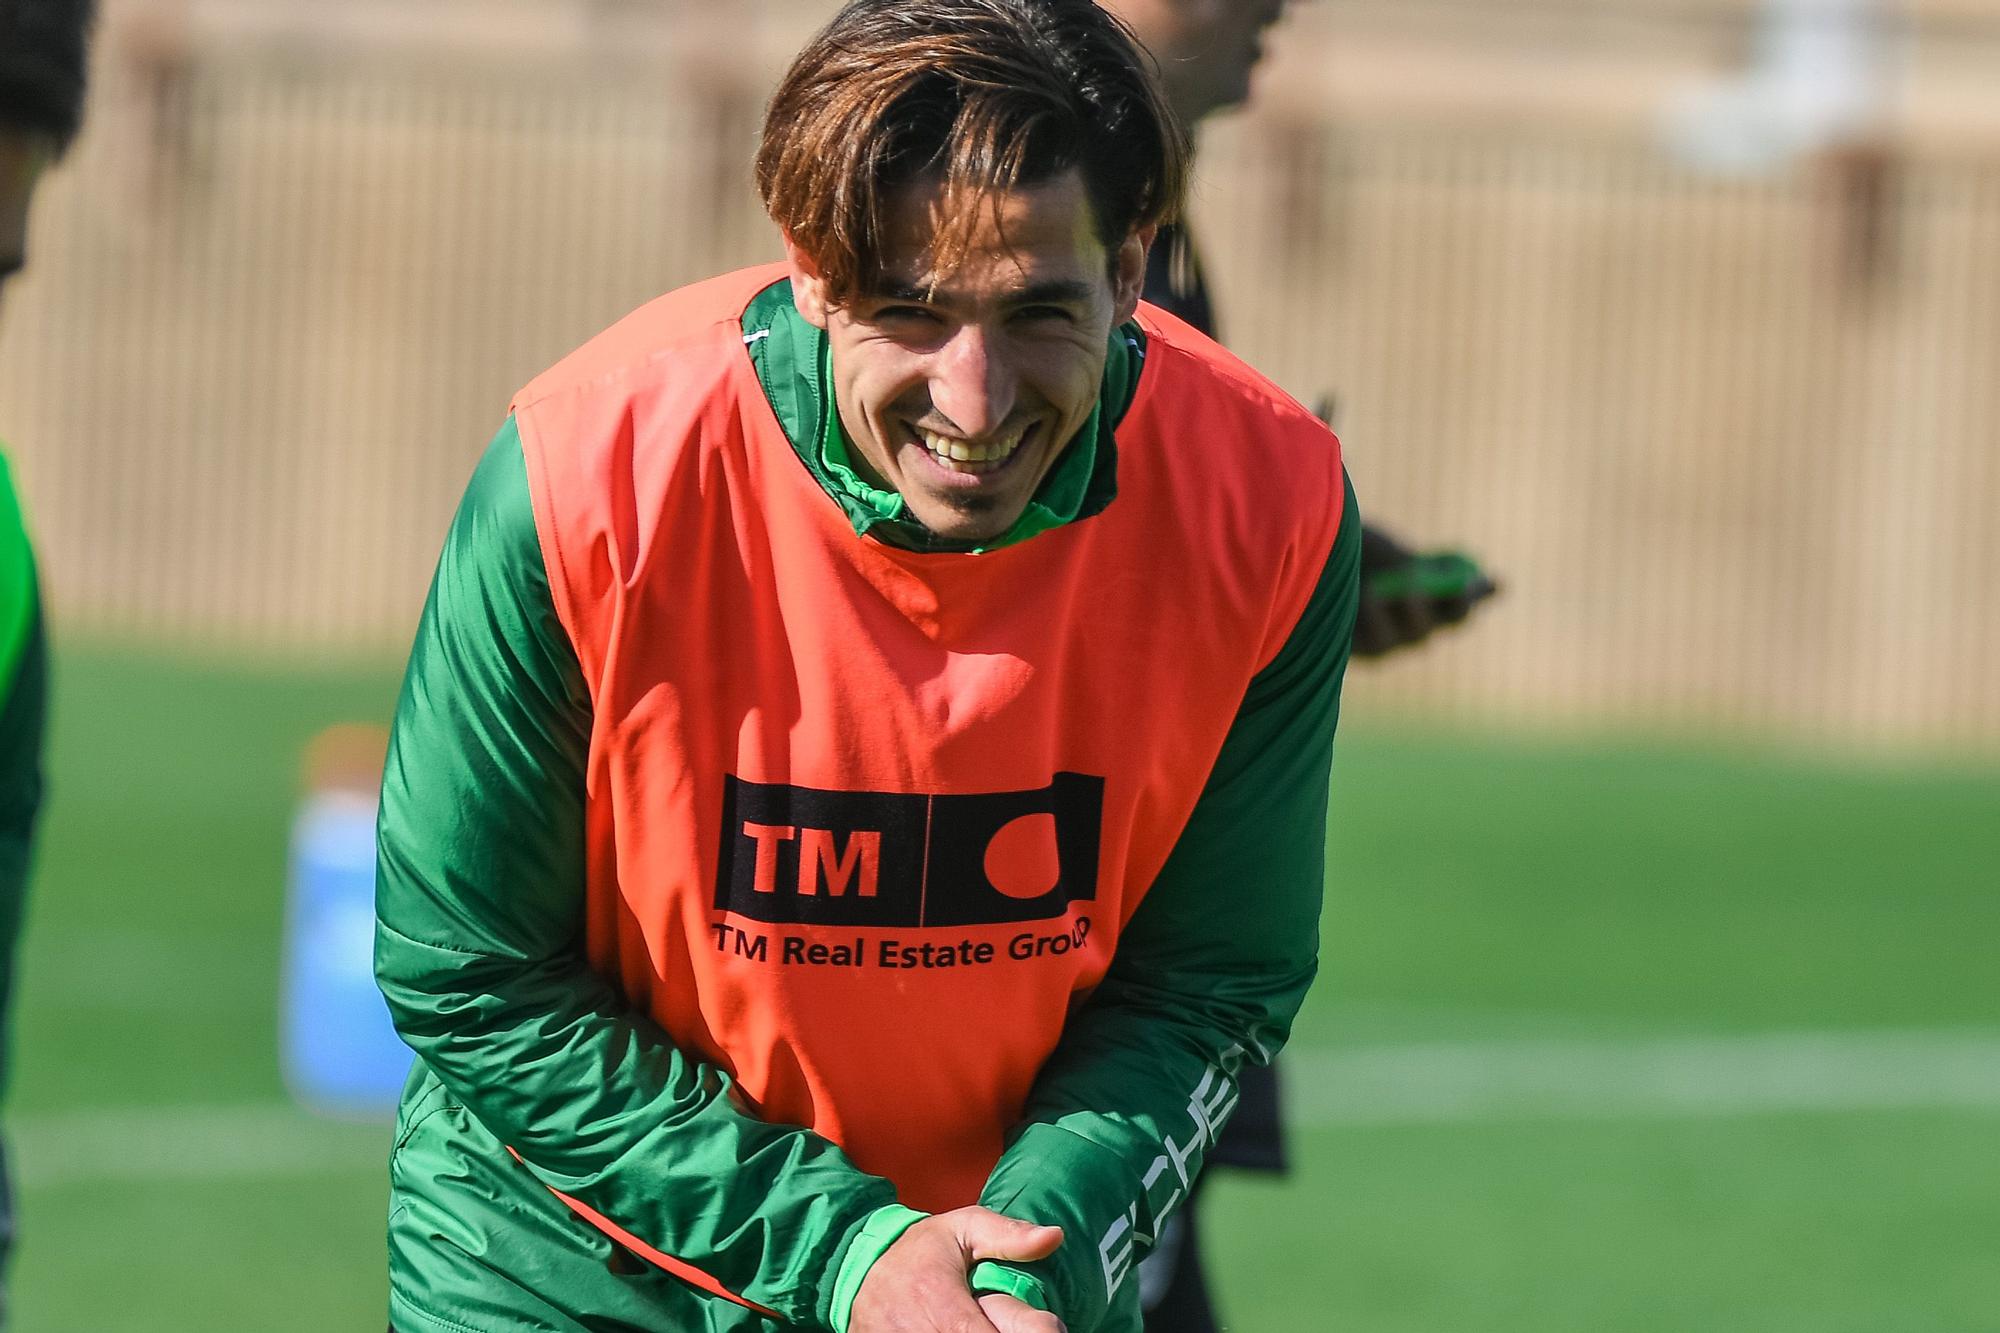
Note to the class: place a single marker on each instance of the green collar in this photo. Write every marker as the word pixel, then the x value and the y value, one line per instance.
pixel 795 367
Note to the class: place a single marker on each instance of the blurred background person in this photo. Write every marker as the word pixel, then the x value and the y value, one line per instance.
pixel 1206 51
pixel 42 58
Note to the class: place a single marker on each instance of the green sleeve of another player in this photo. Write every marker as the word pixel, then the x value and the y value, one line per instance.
pixel 24 674
pixel 479 946
pixel 1209 974
pixel 23 720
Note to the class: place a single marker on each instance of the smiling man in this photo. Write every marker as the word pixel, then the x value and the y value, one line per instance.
pixel 959 393
pixel 858 800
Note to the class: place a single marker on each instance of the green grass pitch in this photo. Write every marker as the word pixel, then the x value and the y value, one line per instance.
pixel 1544 908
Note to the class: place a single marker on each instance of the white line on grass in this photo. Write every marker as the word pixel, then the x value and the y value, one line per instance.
pixel 1664 1078
pixel 1372 1085
pixel 244 1141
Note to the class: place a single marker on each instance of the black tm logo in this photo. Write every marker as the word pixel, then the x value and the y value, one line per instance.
pixel 795 855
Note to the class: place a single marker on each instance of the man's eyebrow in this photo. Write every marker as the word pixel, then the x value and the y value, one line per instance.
pixel 12 264
pixel 1066 291
pixel 1060 291
pixel 891 290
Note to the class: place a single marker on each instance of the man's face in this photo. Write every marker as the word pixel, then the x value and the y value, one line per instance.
pixel 22 158
pixel 959 393
pixel 1206 48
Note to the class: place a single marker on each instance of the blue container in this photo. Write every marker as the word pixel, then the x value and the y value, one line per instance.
pixel 340 1054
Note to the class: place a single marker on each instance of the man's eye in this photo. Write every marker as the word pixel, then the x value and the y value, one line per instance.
pixel 1035 314
pixel 904 312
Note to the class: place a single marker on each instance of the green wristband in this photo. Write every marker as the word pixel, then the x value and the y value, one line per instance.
pixel 994 1279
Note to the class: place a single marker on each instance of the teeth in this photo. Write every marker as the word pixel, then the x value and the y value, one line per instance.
pixel 981 457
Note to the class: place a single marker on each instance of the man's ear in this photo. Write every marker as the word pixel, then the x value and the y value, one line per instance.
pixel 1128 273
pixel 808 287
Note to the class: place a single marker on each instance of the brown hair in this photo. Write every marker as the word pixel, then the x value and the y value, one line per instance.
pixel 983 95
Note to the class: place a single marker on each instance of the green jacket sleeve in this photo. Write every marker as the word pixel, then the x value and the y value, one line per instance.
pixel 479 946
pixel 23 719
pixel 1209 974
pixel 24 674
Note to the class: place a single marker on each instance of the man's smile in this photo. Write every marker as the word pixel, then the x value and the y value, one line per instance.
pixel 961 457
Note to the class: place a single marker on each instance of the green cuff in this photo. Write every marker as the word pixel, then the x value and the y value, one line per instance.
pixel 989 1279
pixel 884 1227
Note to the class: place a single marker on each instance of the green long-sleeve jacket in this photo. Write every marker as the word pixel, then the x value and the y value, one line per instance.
pixel 525 1049
pixel 23 718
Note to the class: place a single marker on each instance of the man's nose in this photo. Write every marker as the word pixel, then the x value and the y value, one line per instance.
pixel 973 382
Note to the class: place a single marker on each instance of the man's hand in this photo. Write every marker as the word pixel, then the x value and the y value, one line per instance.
pixel 919 1285
pixel 1406 595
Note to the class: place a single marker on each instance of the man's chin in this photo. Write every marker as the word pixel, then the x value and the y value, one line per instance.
pixel 969 519
pixel 970 534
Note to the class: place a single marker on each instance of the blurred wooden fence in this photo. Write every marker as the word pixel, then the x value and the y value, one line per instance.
pixel 1726 469
pixel 1731 446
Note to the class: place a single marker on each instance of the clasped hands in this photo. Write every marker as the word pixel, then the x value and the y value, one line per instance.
pixel 921 1283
